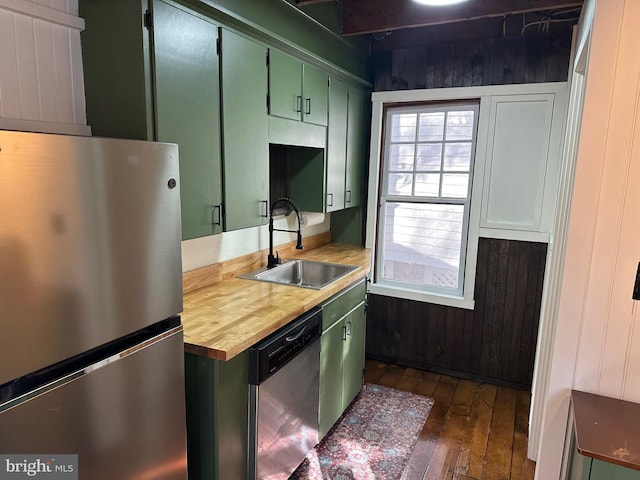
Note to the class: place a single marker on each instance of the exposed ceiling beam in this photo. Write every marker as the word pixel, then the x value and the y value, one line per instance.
pixel 368 16
pixel 302 3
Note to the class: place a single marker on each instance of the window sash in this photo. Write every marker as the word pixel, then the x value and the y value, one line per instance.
pixel 387 198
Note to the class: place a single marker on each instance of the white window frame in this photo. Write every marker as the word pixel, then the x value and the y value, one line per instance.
pixel 386 197
pixel 381 100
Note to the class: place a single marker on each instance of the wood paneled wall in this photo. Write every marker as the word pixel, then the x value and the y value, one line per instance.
pixel 495 342
pixel 496 61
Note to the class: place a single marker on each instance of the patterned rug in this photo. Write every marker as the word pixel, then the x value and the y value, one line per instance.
pixel 372 440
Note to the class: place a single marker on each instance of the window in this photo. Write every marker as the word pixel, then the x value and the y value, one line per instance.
pixel 425 196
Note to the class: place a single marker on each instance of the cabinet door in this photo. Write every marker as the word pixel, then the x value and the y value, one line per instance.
pixel 518 163
pixel 331 348
pixel 315 89
pixel 608 471
pixel 353 355
pixel 188 111
pixel 356 129
pixel 285 85
pixel 336 145
pixel 245 131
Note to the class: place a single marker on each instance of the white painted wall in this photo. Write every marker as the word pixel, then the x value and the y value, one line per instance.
pixel 596 345
pixel 41 79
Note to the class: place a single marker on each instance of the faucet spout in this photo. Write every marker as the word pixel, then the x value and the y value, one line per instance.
pixel 272 260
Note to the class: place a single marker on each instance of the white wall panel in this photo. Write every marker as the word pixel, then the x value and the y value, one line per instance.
pixel 41 80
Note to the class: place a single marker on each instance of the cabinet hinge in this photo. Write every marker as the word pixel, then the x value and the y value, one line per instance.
pixel 148 19
pixel 218 46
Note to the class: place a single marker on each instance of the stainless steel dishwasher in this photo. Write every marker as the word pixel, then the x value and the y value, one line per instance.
pixel 284 371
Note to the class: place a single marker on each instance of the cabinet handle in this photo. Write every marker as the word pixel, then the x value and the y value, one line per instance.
pixel 344 332
pixel 329 199
pixel 299 104
pixel 218 209
pixel 347 196
pixel 308 105
pixel 266 208
pixel 349 328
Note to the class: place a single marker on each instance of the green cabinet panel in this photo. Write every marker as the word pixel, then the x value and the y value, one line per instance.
pixel 353 354
pixel 158 83
pixel 336 144
pixel 297 91
pixel 245 131
pixel 356 151
pixel 331 406
pixel 285 85
pixel 341 353
pixel 315 86
pixel 217 402
pixel 608 471
pixel 187 110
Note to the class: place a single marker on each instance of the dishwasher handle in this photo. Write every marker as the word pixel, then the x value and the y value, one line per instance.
pixel 293 338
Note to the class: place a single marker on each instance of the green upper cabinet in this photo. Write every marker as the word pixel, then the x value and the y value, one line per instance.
pixel 345 145
pixel 157 79
pixel 297 91
pixel 188 112
pixel 356 149
pixel 245 131
pixel 336 144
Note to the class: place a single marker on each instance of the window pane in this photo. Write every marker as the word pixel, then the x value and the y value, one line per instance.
pixel 457 156
pixel 431 127
pixel 428 185
pixel 429 156
pixel 422 243
pixel 459 125
pixel 455 185
pixel 401 157
pixel 403 127
pixel 400 184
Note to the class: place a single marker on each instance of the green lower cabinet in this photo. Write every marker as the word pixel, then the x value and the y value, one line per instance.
pixel 587 468
pixel 341 354
pixel 217 402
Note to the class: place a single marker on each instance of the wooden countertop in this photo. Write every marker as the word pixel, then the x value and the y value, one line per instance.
pixel 607 429
pixel 224 319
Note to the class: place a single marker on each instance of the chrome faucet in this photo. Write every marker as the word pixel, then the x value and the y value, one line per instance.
pixel 272 260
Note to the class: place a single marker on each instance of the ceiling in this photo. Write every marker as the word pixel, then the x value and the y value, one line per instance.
pixel 393 24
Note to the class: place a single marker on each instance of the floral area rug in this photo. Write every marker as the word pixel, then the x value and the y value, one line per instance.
pixel 372 440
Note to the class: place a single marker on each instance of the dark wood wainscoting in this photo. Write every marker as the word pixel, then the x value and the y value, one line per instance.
pixel 495 342
pixel 495 61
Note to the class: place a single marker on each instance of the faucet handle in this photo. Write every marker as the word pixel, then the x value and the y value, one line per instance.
pixel 278 261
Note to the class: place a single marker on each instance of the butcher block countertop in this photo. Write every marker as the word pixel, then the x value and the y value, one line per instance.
pixel 225 318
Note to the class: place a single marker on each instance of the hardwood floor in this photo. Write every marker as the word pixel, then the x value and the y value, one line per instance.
pixel 475 431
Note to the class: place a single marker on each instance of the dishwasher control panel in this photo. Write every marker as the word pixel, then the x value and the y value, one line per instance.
pixel 275 351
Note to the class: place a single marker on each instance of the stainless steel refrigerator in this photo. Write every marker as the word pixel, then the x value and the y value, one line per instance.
pixel 91 344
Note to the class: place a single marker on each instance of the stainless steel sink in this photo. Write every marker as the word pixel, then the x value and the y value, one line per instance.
pixel 301 273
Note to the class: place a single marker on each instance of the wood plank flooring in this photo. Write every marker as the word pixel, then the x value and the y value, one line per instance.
pixel 475 431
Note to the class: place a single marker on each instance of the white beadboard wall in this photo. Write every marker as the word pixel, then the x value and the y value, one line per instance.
pixel 609 344
pixel 596 346
pixel 41 79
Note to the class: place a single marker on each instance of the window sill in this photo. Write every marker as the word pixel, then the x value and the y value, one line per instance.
pixel 447 300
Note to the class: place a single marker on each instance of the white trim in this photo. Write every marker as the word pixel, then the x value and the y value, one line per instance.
pixel 44 127
pixel 420 296
pixel 461 93
pixel 43 13
pixel 507 234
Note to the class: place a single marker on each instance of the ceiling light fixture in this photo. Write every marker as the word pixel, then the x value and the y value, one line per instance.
pixel 439 3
